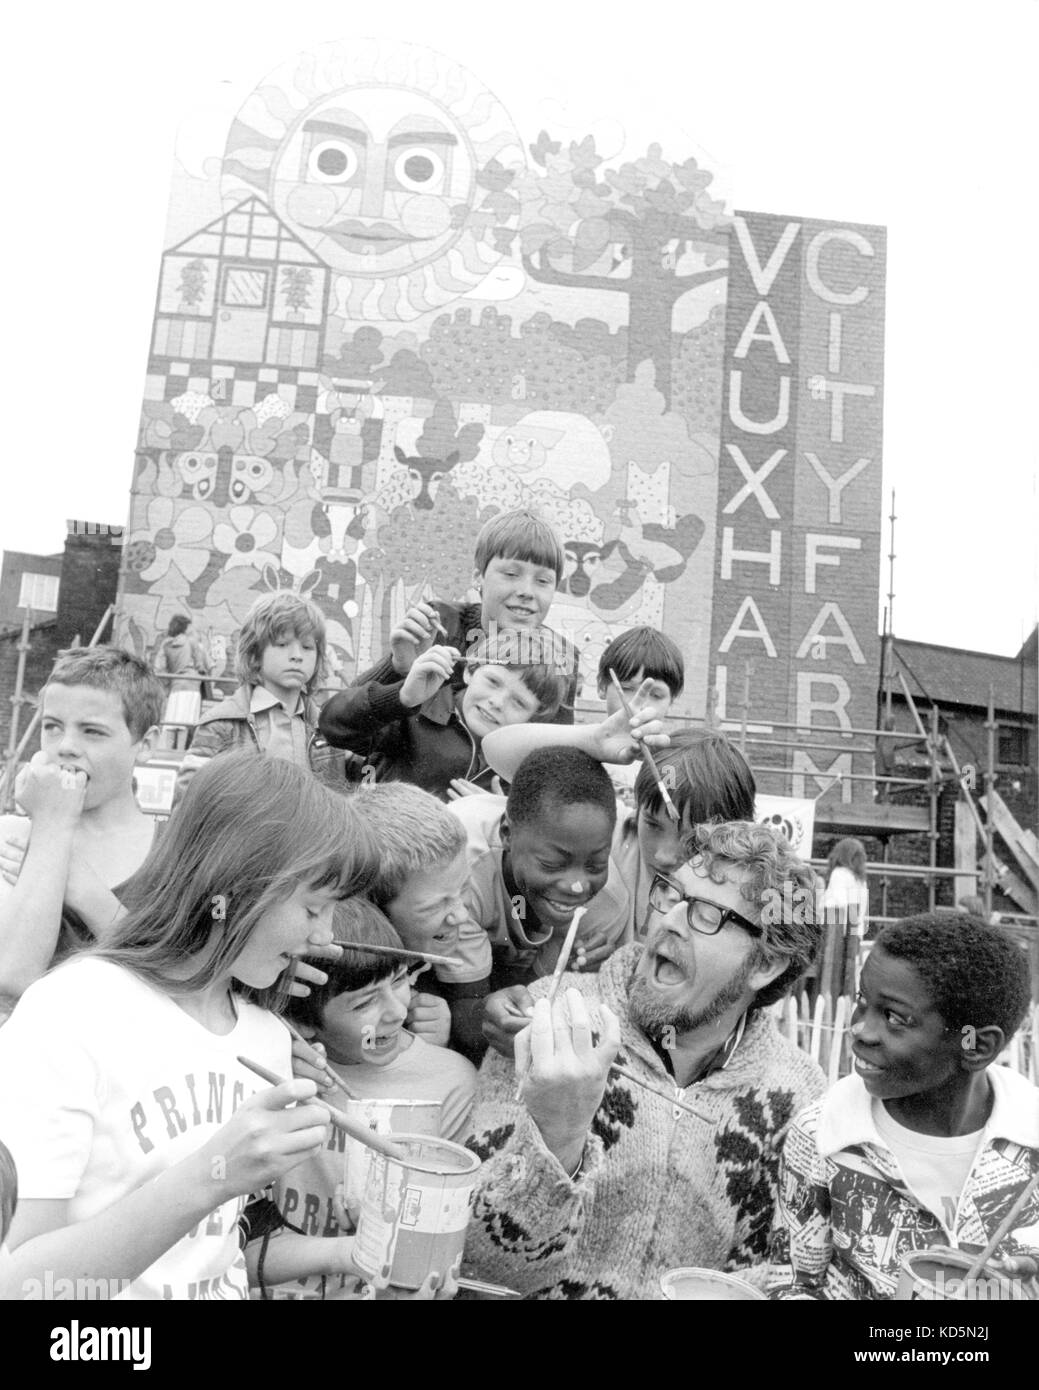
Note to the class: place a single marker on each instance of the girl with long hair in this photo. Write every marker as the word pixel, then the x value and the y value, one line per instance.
pixel 846 879
pixel 136 1132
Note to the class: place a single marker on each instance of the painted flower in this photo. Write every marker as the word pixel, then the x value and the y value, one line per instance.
pixel 245 536
pixel 173 534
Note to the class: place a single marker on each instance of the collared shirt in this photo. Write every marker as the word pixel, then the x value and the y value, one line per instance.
pixel 849 1215
pixel 281 734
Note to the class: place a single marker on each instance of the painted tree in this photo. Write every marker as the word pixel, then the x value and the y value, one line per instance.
pixel 296 283
pixel 634 233
pixel 192 283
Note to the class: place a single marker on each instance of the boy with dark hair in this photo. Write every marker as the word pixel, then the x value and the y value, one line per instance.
pixel 83 833
pixel 927 1135
pixel 637 655
pixel 518 564
pixel 359 1018
pixel 403 731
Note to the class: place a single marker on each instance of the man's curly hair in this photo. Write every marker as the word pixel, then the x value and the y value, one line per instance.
pixel 766 864
pixel 976 975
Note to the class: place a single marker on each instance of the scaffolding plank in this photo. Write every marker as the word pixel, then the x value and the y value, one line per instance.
pixel 1013 836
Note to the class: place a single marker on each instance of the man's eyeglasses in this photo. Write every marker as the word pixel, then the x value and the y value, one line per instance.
pixel 703 916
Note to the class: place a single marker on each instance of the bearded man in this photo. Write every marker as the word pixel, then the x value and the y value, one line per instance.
pixel 595 1182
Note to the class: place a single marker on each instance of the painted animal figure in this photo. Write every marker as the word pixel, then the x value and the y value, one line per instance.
pixel 428 473
pixel 580 560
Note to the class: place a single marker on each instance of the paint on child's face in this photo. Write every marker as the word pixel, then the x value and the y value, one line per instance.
pixel 287 664
pixel 85 729
pixel 660 843
pixel 495 697
pixel 901 1043
pixel 366 1025
pixel 516 593
pixel 430 908
pixel 560 859
pixel 658 698
pixel 284 932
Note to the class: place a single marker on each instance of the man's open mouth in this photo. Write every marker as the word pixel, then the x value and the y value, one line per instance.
pixel 666 972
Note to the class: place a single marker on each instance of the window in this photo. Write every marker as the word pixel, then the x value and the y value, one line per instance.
pixel 39 592
pixel 1013 747
pixel 245 287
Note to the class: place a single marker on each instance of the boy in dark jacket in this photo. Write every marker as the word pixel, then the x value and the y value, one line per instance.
pixel 518 564
pixel 404 731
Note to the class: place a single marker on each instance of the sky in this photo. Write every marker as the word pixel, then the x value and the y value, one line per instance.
pixel 918 116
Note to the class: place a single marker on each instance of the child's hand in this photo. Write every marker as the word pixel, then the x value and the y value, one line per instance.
pixel 592 948
pixel 460 787
pixel 413 637
pixel 428 674
pixel 12 853
pixel 268 1134
pixel 436 1286
pixel 50 793
pixel 309 1063
pixel 429 1018
pixel 506 1013
pixel 619 739
pixel 302 976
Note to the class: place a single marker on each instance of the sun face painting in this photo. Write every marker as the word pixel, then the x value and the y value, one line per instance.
pixel 377 176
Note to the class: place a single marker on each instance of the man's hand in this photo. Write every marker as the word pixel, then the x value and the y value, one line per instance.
pixel 563 1073
pixel 12 853
pixel 620 739
pixel 427 674
pixel 50 793
pixel 413 637
pixel 429 1018
pixel 507 1012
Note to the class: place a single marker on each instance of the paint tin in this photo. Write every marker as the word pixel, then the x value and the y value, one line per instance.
pixel 708 1285
pixel 936 1274
pixel 385 1117
pixel 415 1212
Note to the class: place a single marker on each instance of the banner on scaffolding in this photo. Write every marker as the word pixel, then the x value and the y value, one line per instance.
pixel 793 815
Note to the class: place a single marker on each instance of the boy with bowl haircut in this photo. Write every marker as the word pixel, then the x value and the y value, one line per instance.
pixel 280 662
pixel 518 564
pixel 404 731
pixel 358 1016
pixel 926 1143
pixel 421 884
pixel 646 662
pixel 84 834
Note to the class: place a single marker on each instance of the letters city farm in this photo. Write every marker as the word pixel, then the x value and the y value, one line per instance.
pixel 799 472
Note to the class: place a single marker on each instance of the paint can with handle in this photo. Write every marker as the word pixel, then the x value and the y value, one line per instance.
pixel 384 1116
pixel 415 1212
pixel 937 1274
pixel 707 1285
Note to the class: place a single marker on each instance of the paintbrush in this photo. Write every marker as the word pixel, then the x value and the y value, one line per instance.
pixel 671 1100
pixel 438 626
pixel 329 1074
pixel 427 956
pixel 360 1132
pixel 647 753
pixel 1001 1230
pixel 490 1290
pixel 557 975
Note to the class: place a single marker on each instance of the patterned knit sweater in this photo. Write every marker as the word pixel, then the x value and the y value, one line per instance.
pixel 659 1187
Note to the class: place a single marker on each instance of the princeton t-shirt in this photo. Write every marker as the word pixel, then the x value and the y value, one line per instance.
pixel 105 1083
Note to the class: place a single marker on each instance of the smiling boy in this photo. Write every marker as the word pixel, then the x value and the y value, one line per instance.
pixel 404 731
pixel 518 562
pixel 84 831
pixel 358 1016
pixel 927 1137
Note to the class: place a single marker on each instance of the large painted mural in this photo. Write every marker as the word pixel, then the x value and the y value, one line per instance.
pixel 385 313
